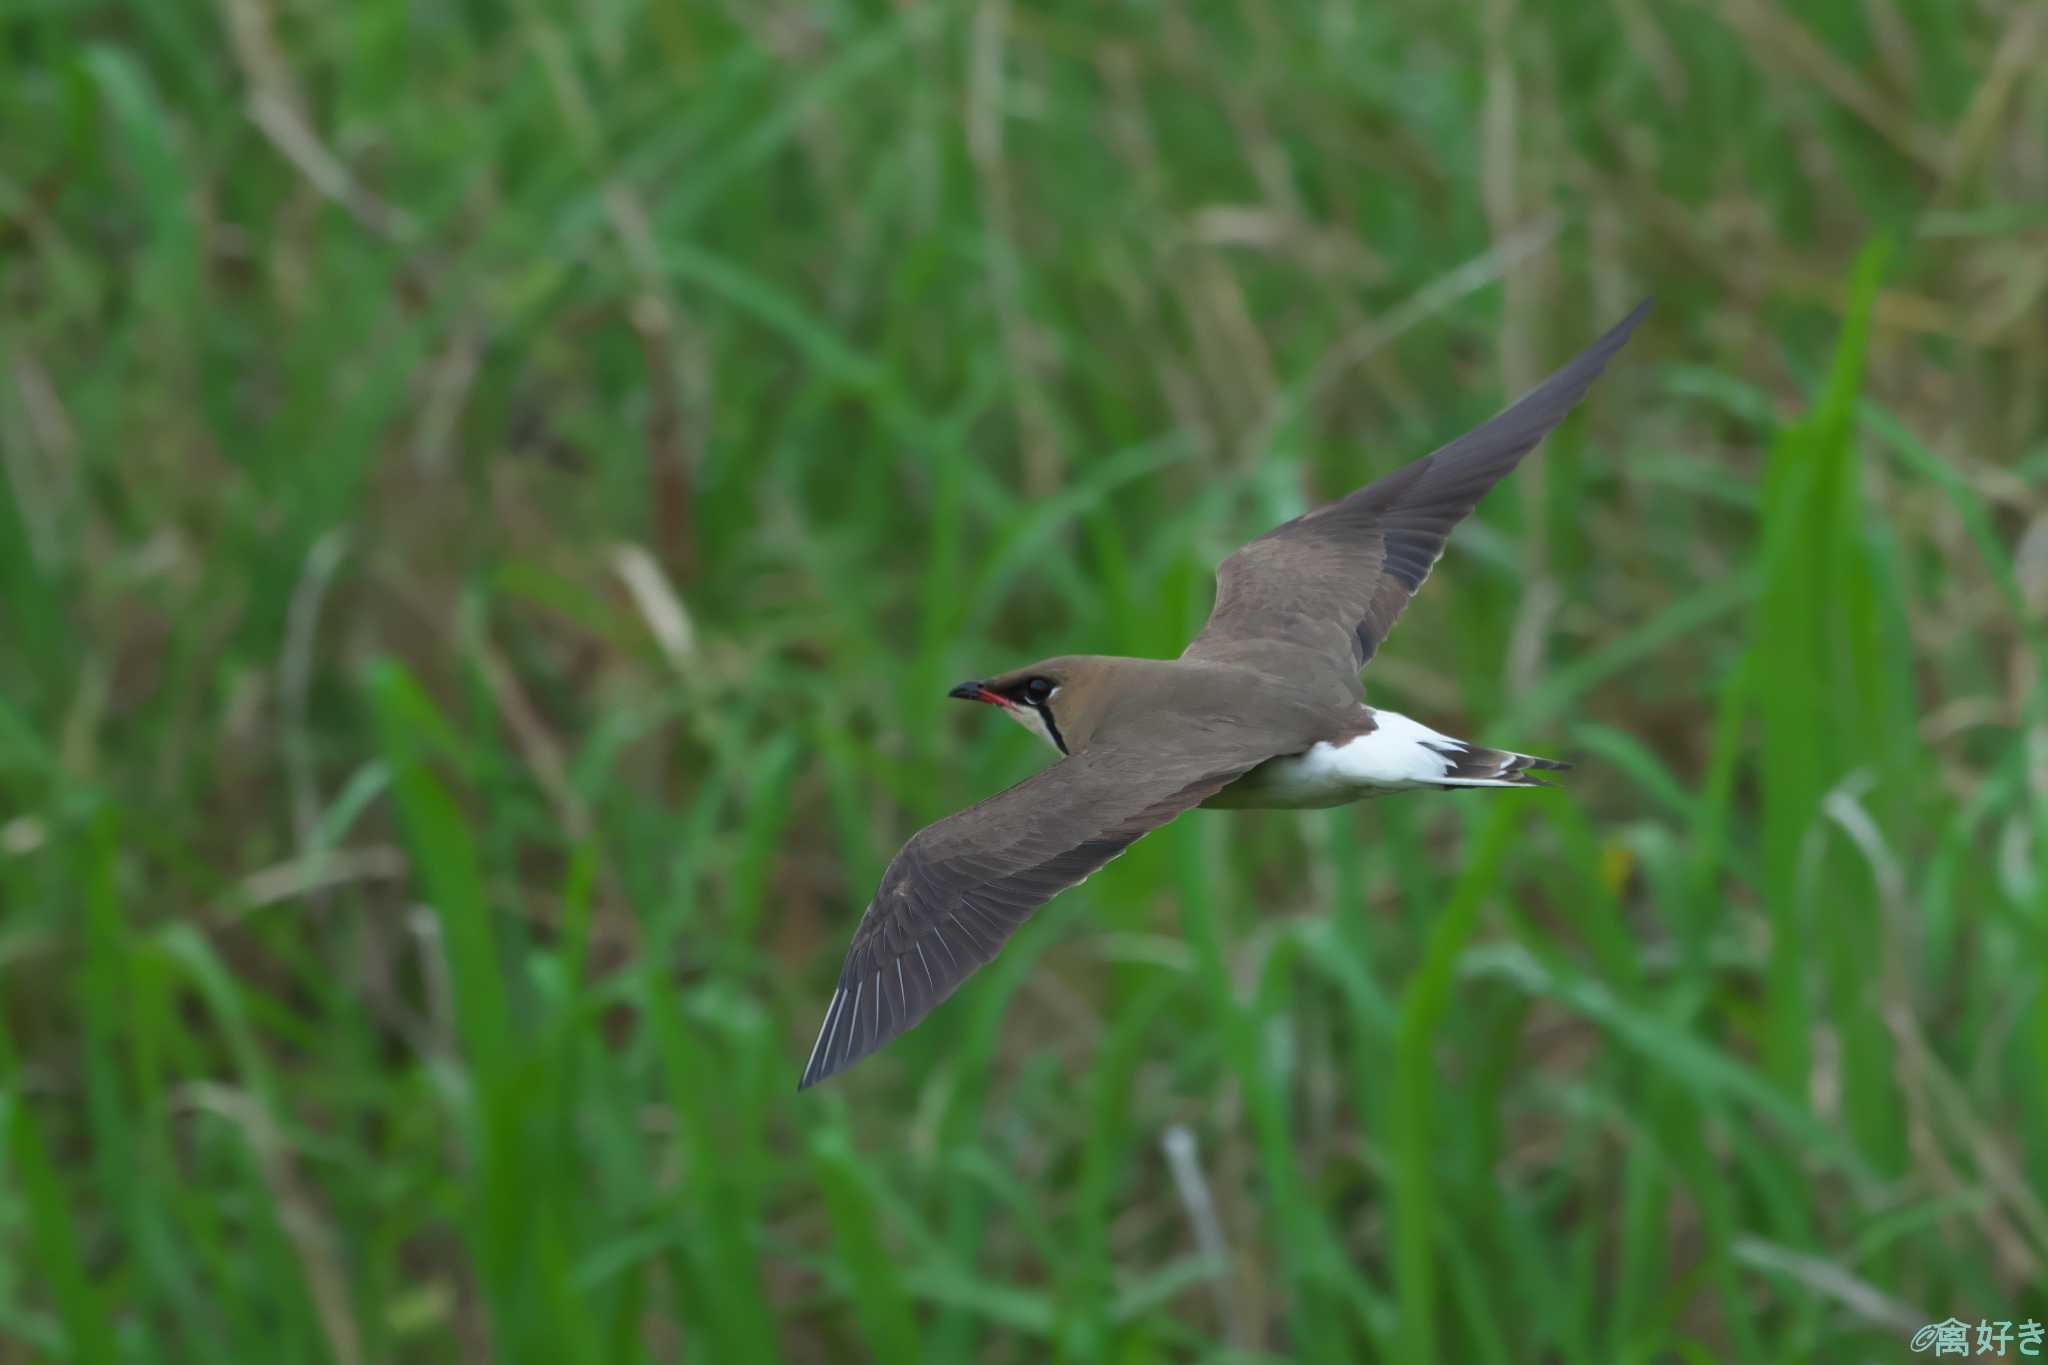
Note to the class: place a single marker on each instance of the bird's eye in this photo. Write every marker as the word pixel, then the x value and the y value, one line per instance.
pixel 1037 690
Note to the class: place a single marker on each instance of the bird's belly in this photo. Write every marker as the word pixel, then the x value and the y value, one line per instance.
pixel 1397 755
pixel 1307 781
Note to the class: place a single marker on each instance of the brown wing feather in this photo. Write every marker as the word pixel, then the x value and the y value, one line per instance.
pixel 1335 579
pixel 953 895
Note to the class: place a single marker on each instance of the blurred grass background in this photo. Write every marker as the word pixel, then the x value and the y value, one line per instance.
pixel 494 495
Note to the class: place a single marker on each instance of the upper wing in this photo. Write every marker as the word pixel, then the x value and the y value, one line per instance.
pixel 1333 580
pixel 956 891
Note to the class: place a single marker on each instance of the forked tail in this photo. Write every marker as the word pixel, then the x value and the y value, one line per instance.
pixel 1472 766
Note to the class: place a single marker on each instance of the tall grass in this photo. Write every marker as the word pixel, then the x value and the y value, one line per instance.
pixel 492 497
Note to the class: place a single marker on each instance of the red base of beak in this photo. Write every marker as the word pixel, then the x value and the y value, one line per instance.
pixel 974 691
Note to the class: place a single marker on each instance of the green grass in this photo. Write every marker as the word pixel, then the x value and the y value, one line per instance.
pixel 492 498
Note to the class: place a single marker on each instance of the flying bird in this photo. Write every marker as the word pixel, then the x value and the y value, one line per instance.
pixel 1263 709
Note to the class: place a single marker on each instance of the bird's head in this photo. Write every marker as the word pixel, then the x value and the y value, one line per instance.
pixel 1053 698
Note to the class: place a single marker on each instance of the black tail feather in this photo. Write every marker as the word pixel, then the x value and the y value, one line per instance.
pixel 1470 763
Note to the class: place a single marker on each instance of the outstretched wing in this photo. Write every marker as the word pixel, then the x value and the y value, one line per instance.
pixel 1333 580
pixel 958 889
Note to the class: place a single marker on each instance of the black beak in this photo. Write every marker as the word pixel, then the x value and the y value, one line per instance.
pixel 967 691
